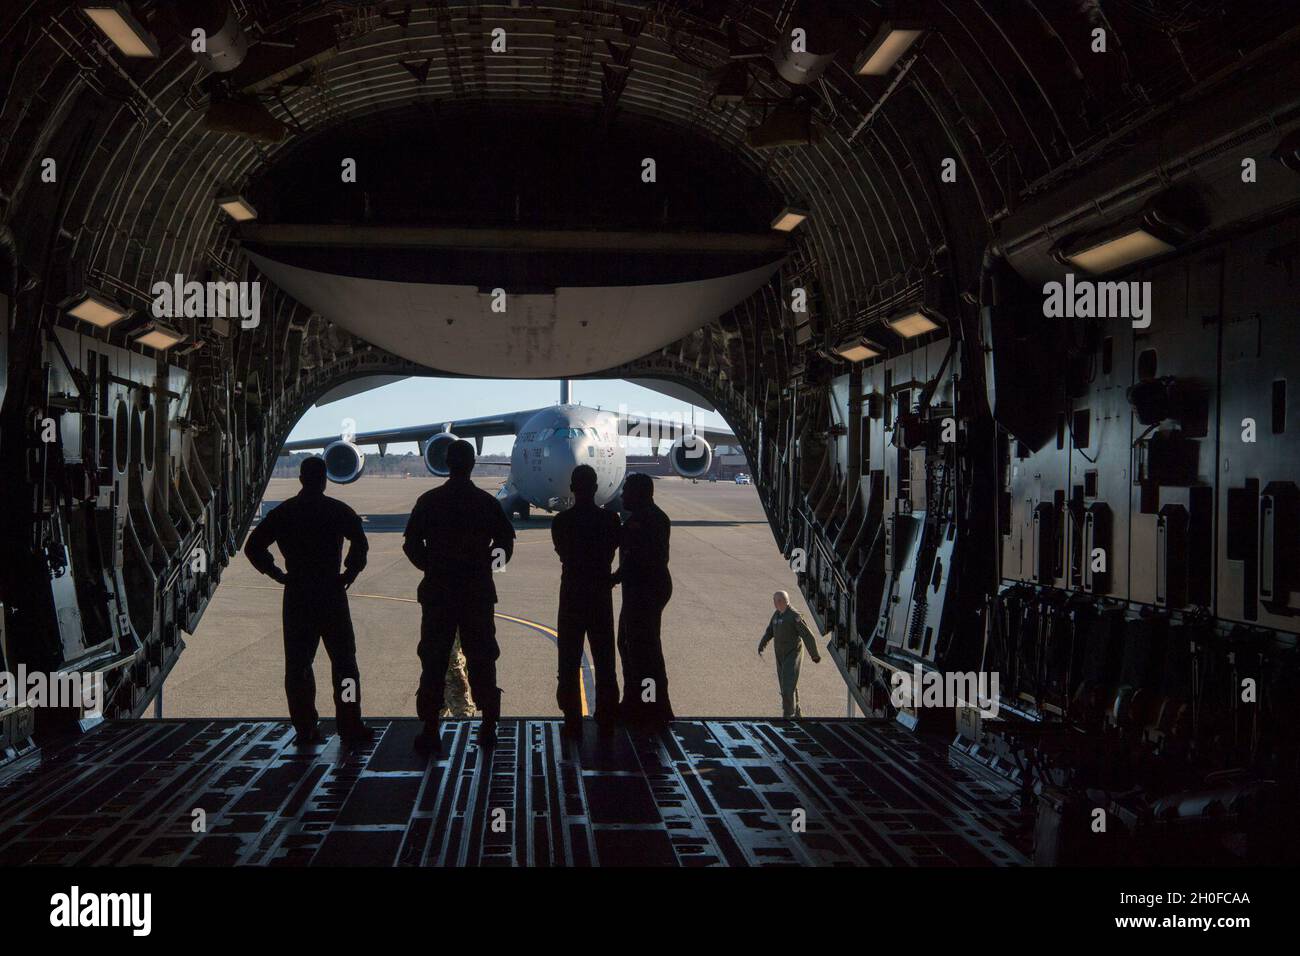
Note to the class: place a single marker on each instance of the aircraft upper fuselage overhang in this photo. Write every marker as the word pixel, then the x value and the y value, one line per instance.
pixel 514 303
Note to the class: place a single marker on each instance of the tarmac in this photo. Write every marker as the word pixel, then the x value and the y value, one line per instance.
pixel 725 566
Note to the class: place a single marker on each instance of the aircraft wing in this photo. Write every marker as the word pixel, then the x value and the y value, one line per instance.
pixel 482 427
pixel 640 426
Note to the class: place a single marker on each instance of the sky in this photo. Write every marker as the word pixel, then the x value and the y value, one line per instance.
pixel 419 401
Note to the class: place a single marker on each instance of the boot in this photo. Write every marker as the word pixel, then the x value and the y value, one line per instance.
pixel 487 731
pixel 429 741
pixel 358 738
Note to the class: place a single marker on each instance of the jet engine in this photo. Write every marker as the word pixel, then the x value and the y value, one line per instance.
pixel 691 456
pixel 435 453
pixel 344 462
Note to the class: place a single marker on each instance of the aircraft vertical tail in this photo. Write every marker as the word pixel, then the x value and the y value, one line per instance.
pixel 566 392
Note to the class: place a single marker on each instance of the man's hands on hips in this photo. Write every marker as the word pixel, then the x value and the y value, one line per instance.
pixel 345 579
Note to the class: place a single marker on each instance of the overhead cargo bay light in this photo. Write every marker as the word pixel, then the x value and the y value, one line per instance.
pixel 123 30
pixel 857 349
pixel 1153 233
pixel 911 323
pixel 90 305
pixel 158 335
pixel 789 219
pixel 1106 255
pixel 886 48
pixel 237 208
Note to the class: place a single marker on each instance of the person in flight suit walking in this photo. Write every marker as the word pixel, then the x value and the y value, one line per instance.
pixel 585 537
pixel 455 534
pixel 310 529
pixel 647 587
pixel 789 633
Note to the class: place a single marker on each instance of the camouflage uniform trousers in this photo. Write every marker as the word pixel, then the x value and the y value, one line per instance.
pixel 458 701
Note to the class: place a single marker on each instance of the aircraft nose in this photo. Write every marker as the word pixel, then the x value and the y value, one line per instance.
pixel 564 459
pixel 561 459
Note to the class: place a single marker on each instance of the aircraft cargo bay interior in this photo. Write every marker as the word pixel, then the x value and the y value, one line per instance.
pixel 677 433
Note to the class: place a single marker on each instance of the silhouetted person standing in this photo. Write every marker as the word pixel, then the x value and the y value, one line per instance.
pixel 789 635
pixel 586 537
pixel 454 534
pixel 647 586
pixel 310 529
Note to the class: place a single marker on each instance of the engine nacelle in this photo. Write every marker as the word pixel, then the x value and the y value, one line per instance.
pixel 344 462
pixel 691 456
pixel 435 453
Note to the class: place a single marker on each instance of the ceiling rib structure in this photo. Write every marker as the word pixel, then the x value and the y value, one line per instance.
pixel 986 90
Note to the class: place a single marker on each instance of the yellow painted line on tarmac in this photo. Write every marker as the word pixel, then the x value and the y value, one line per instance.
pixel 527 623
pixel 384 597
pixel 582 690
pixel 554 634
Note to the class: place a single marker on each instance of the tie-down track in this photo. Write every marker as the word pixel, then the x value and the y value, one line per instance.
pixel 704 793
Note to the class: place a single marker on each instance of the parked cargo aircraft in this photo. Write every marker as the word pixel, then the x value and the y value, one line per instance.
pixel 549 444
